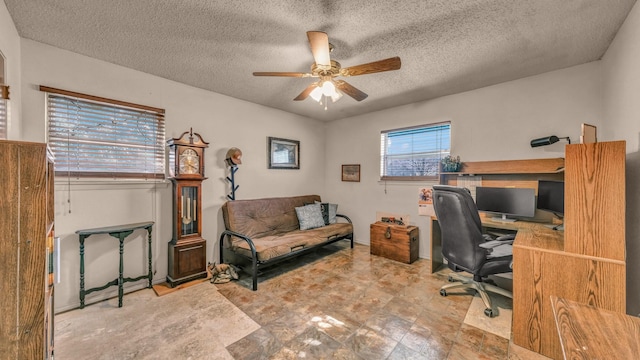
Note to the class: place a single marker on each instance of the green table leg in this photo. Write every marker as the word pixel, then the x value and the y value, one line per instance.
pixel 82 294
pixel 150 272
pixel 121 235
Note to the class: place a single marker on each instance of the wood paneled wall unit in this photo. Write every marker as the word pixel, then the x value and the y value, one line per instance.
pixel 586 262
pixel 595 200
pixel 588 265
pixel 26 220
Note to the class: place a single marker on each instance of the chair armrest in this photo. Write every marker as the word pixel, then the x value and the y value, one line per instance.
pixel 494 243
pixel 345 217
pixel 506 237
pixel 500 251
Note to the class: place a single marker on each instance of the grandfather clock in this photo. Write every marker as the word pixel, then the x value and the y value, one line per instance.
pixel 187 248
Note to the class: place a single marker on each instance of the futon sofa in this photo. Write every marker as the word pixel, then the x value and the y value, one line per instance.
pixel 263 232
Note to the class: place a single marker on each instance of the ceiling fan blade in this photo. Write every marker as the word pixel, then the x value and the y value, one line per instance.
pixel 350 90
pixel 305 93
pixel 287 74
pixel 319 42
pixel 372 67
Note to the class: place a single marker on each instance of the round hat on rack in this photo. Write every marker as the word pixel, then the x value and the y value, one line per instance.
pixel 234 156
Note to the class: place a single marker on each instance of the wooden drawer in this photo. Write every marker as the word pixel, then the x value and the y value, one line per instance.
pixel 394 242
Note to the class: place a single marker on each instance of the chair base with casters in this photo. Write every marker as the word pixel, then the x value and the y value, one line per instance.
pixel 460 281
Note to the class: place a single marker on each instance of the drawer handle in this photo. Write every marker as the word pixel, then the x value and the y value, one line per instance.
pixel 387 233
pixel 191 248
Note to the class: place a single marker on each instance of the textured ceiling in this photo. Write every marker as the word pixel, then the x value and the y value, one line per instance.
pixel 446 46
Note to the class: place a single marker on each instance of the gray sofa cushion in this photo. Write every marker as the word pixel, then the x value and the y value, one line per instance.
pixel 329 212
pixel 310 216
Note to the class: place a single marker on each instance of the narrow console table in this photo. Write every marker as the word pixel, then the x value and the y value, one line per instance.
pixel 119 232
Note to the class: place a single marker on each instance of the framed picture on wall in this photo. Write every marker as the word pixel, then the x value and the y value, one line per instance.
pixel 283 153
pixel 351 172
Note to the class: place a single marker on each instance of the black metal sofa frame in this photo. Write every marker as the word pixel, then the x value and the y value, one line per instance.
pixel 256 263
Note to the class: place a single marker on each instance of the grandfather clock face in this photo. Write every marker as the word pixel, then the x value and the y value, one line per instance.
pixel 186 156
pixel 189 162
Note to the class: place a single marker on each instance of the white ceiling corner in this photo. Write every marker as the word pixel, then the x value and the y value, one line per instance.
pixel 446 46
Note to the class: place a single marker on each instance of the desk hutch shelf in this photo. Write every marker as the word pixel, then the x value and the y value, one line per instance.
pixel 510 167
pixel 509 173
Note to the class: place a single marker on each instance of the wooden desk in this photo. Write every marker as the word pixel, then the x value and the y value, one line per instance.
pixel 587 332
pixel 586 262
pixel 542 268
pixel 120 232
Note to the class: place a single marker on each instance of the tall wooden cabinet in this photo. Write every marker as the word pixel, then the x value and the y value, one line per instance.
pixel 587 262
pixel 588 265
pixel 26 255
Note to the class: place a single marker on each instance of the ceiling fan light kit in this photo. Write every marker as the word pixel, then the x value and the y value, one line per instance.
pixel 327 70
pixel 325 90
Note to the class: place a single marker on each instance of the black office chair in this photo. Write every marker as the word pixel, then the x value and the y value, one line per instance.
pixel 466 248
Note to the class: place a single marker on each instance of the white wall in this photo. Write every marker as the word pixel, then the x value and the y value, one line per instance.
pixel 10 48
pixel 622 122
pixel 492 123
pixel 222 121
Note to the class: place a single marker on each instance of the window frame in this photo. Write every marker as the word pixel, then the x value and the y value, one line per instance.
pixel 383 153
pixel 4 112
pixel 119 109
pixel 4 99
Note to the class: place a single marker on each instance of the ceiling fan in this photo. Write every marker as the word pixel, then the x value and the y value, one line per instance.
pixel 327 70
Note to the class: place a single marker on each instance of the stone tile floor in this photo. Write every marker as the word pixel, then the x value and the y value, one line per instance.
pixel 342 303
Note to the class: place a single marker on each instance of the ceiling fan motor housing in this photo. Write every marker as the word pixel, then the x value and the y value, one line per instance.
pixel 320 70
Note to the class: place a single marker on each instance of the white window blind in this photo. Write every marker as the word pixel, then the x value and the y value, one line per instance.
pixel 3 118
pixel 91 138
pixel 414 153
pixel 4 97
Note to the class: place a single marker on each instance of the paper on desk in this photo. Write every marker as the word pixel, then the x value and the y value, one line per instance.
pixel 425 201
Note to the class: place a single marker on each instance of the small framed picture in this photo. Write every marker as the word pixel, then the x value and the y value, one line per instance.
pixel 283 153
pixel 351 172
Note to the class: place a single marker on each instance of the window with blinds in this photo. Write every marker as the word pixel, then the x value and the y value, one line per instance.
pixel 92 138
pixel 4 96
pixel 3 118
pixel 4 113
pixel 414 153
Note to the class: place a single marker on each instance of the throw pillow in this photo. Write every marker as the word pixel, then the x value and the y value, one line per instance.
pixel 310 216
pixel 329 212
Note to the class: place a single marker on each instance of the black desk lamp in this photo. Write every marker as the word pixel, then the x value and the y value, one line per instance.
pixel 548 141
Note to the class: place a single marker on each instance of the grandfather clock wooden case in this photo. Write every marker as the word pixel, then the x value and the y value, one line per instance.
pixel 187 248
pixel 26 258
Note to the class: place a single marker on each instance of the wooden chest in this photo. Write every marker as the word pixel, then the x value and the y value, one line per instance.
pixel 394 242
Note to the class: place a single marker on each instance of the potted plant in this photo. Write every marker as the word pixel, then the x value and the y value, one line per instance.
pixel 451 163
